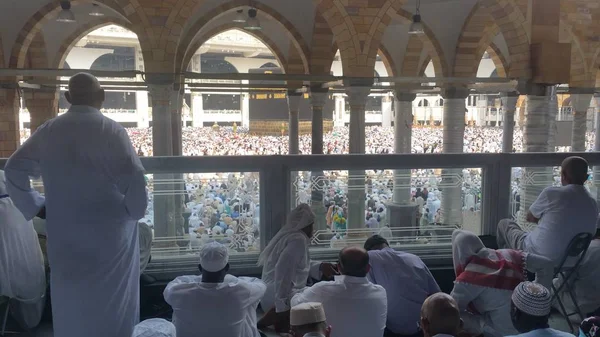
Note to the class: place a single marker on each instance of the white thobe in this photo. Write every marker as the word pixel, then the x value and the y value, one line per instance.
pixel 217 309
pixel 94 194
pixel 286 272
pixel 354 306
pixel 22 274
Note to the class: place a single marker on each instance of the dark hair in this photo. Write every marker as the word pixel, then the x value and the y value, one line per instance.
pixel 375 241
pixel 354 262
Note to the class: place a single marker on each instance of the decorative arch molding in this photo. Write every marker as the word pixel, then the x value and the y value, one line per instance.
pixel 487 19
pixel 388 61
pixel 81 32
pixel 229 26
pixel 34 24
pixel 323 47
pixel 498 59
pixel 186 45
pixel 418 43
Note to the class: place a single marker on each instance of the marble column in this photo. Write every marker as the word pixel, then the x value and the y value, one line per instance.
pixel 293 99
pixel 317 101
pixel 552 113
pixel 508 126
pixel 177 120
pixel 596 172
pixel 386 111
pixel 580 100
pixel 403 144
pixel 197 110
pixel 536 138
pixel 42 105
pixel 10 137
pixel 141 105
pixel 357 97
pixel 245 110
pixel 453 142
pixel 162 141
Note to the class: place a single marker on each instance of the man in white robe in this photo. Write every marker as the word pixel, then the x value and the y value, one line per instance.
pixel 287 266
pixel 95 192
pixel 22 274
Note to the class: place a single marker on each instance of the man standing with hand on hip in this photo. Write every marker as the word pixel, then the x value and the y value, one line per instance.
pixel 94 194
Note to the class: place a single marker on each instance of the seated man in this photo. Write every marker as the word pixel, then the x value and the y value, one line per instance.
pixel 407 282
pixel 560 212
pixel 215 303
pixel 354 306
pixel 308 320
pixel 22 274
pixel 485 280
pixel 585 283
pixel 440 316
pixel 530 310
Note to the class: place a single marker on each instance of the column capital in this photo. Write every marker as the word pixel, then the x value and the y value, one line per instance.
pixel 511 94
pixel 533 89
pixel 318 97
pixel 581 91
pixel 404 96
pixel 357 96
pixel 293 99
pixel 455 92
pixel 581 102
pixel 160 91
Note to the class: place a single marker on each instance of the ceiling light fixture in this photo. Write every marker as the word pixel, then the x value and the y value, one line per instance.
pixel 416 27
pixel 96 11
pixel 240 17
pixel 253 23
pixel 65 15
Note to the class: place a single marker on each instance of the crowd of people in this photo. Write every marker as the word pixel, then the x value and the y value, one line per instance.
pixel 375 290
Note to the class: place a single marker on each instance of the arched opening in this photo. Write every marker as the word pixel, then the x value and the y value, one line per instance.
pixel 110 48
pixel 229 52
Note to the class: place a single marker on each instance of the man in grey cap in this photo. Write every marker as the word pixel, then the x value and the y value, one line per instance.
pixel 308 320
pixel 215 302
pixel 530 310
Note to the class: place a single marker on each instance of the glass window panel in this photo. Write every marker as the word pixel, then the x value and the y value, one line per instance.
pixel 352 205
pixel 186 211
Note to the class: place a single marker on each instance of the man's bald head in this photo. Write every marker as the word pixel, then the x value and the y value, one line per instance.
pixel 354 261
pixel 440 315
pixel 84 89
pixel 574 170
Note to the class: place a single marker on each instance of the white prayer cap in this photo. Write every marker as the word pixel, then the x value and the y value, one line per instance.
pixel 154 327
pixel 307 313
pixel 214 257
pixel 532 298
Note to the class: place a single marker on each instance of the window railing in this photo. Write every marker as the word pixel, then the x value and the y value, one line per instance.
pixel 248 198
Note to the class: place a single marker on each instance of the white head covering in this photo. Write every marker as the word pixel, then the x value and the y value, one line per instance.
pixel 307 313
pixel 154 327
pixel 533 299
pixel 214 257
pixel 301 217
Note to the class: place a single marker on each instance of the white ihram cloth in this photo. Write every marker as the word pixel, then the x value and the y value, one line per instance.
pixel 22 274
pixel 218 309
pixel 354 306
pixel 94 194
pixel 286 261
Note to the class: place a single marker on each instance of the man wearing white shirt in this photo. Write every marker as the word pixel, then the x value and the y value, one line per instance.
pixel 354 306
pixel 560 212
pixel 215 303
